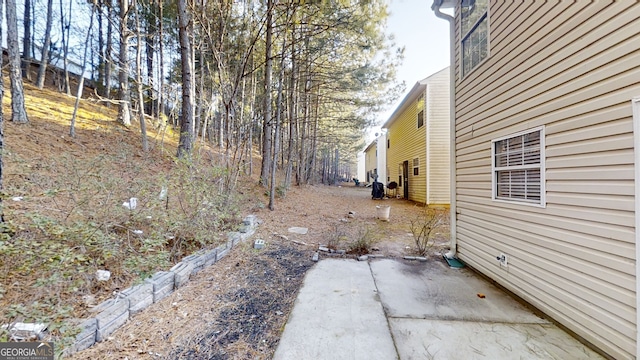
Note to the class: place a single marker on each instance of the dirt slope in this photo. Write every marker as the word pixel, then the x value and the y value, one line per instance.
pixel 237 308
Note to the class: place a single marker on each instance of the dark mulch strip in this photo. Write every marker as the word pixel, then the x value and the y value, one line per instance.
pixel 251 315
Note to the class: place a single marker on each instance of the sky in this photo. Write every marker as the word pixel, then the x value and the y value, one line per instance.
pixel 426 41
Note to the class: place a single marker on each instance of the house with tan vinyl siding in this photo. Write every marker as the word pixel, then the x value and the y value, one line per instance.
pixel 547 125
pixel 417 134
pixel 370 162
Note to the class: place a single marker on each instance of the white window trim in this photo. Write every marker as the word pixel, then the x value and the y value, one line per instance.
pixel 543 200
pixel 466 35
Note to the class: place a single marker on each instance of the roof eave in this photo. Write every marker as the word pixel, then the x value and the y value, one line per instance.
pixel 417 89
pixel 420 85
pixel 374 142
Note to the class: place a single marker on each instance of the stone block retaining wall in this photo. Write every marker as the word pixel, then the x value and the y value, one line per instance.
pixel 113 313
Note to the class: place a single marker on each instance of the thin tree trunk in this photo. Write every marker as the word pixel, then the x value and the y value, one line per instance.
pixel 108 64
pixel 44 59
pixel 67 80
pixel 65 48
pixel 336 165
pixel 33 33
pixel 267 127
pixel 101 57
pixel 72 130
pixel 26 48
pixel 207 112
pixel 274 160
pixel 124 116
pixel 1 123
pixel 143 125
pixel 200 95
pixel 314 140
pixel 324 168
pixel 186 127
pixel 150 50
pixel 301 175
pixel 191 41
pixel 161 62
pixel 18 111
pixel 254 86
pixel 292 112
pixel 242 102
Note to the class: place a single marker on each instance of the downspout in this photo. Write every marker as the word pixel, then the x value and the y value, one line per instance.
pixel 635 105
pixel 452 125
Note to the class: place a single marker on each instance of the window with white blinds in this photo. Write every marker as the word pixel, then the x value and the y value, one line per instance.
pixel 518 167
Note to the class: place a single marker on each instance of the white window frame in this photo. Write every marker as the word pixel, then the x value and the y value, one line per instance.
pixel 541 165
pixel 467 35
pixel 416 165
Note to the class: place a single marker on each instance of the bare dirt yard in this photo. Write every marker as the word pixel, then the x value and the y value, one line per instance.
pixel 237 308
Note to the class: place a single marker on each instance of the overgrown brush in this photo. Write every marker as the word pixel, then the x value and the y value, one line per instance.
pixel 71 222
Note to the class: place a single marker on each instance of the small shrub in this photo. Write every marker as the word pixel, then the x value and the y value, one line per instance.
pixel 336 237
pixel 281 191
pixel 422 229
pixel 364 240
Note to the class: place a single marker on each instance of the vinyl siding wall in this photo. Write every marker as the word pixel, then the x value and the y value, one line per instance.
pixel 572 67
pixel 438 128
pixel 370 161
pixel 381 143
pixel 406 143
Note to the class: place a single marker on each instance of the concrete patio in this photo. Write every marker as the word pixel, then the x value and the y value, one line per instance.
pixel 398 309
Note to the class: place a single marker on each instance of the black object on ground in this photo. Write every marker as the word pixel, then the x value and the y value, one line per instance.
pixel 393 186
pixel 377 190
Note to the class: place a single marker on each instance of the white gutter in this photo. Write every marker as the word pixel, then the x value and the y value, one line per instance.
pixel 635 104
pixel 452 129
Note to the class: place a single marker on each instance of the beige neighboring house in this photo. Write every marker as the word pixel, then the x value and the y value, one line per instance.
pixel 418 142
pixel 370 162
pixel 547 140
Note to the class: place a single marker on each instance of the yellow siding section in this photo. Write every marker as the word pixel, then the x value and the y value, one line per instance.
pixel 572 67
pixel 429 144
pixel 407 142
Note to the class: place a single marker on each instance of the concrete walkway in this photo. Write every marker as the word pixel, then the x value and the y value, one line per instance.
pixel 388 309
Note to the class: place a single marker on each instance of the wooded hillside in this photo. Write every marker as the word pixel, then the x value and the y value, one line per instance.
pixel 183 106
pixel 300 81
